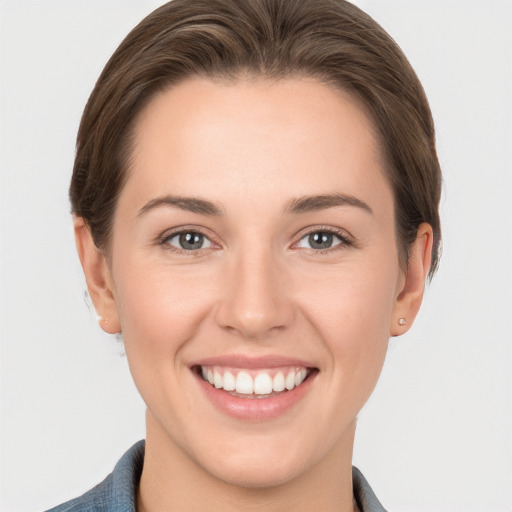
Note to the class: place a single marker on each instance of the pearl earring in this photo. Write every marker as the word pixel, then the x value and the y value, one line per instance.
pixel 402 321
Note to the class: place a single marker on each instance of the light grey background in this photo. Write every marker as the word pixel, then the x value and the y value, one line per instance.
pixel 436 435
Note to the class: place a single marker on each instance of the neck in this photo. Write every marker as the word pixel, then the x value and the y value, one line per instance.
pixel 172 480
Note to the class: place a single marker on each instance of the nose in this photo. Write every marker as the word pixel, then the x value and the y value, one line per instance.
pixel 256 301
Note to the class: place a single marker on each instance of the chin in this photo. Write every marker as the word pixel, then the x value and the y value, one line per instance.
pixel 253 474
pixel 261 460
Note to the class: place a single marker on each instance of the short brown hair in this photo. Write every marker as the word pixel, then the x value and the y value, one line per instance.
pixel 331 40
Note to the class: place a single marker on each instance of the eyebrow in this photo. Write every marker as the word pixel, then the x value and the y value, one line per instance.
pixel 300 205
pixel 190 204
pixel 320 202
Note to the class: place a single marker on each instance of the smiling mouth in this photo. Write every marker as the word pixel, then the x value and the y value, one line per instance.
pixel 255 384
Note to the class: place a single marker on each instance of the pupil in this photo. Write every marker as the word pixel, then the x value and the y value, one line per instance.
pixel 189 241
pixel 320 240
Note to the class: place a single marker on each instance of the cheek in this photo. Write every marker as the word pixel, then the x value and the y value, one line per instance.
pixel 160 308
pixel 352 303
pixel 352 315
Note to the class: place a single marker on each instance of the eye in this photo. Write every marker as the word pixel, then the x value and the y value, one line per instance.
pixel 188 241
pixel 322 240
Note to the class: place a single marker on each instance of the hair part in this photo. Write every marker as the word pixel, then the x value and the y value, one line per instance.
pixel 329 40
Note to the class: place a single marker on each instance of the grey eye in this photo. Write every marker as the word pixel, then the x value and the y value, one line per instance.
pixel 320 240
pixel 189 241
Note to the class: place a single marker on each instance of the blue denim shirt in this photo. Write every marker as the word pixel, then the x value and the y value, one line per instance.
pixel 118 492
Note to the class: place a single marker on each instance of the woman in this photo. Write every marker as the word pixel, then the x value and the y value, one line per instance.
pixel 255 199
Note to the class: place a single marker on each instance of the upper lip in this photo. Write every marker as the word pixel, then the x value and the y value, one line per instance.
pixel 243 361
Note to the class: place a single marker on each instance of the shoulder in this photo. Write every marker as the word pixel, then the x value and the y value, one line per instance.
pixel 117 493
pixel 96 500
pixel 363 493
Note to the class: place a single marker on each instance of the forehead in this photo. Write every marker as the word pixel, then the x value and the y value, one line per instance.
pixel 272 138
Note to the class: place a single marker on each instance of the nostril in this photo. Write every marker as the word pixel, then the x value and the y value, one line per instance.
pixel 255 306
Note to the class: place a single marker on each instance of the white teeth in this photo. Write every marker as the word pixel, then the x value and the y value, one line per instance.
pixel 300 376
pixel 229 382
pixel 263 384
pixel 303 375
pixel 217 379
pixel 290 381
pixel 244 383
pixel 278 382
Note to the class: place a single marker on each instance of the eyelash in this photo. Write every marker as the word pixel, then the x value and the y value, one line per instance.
pixel 345 240
pixel 164 241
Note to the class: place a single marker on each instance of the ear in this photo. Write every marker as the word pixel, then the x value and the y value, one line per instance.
pixel 412 285
pixel 98 277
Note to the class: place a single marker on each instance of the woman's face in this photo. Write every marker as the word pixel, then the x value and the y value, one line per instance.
pixel 254 243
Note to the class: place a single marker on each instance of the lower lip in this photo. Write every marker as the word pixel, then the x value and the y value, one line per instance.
pixel 255 409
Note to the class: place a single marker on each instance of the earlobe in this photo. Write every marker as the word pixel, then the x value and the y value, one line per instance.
pixel 98 277
pixel 410 293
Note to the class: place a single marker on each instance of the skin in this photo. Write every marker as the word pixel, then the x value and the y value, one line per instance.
pixel 250 147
